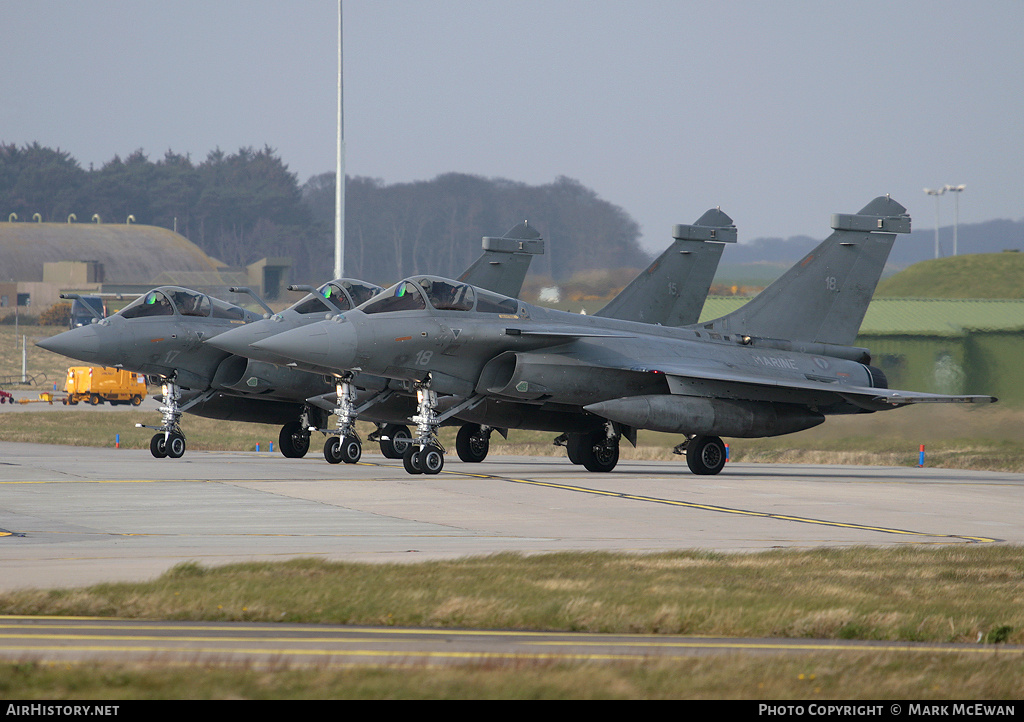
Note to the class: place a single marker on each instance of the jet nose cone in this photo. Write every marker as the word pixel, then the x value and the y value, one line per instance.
pixel 238 340
pixel 326 344
pixel 81 343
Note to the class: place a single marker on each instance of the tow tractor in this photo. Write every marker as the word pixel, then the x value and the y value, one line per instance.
pixel 98 384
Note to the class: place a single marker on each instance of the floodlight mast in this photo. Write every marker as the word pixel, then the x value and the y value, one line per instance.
pixel 936 192
pixel 339 177
pixel 956 222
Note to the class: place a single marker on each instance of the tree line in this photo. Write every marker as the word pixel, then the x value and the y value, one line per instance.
pixel 240 207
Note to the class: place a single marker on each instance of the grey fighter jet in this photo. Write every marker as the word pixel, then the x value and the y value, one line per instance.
pixel 502 268
pixel 780 364
pixel 671 291
pixel 162 334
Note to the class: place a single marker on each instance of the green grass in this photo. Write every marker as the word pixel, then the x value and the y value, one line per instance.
pixel 813 677
pixel 943 594
pixel 964 594
pixel 981 275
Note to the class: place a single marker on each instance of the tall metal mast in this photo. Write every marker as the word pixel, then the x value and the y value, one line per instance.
pixel 339 179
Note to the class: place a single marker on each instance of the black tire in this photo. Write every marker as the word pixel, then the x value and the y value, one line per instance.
pixel 350 449
pixel 136 400
pixel 158 446
pixel 398 439
pixel 95 400
pixel 472 444
pixel 411 461
pixel 600 454
pixel 705 455
pixel 332 450
pixel 431 459
pixel 175 446
pixel 574 447
pixel 293 441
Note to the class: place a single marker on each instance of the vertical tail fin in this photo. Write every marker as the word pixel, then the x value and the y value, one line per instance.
pixel 503 265
pixel 823 298
pixel 672 290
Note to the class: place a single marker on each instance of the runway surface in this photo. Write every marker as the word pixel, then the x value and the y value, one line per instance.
pixel 73 516
pixel 278 645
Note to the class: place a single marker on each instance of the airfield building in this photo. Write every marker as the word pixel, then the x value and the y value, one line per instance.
pixel 39 261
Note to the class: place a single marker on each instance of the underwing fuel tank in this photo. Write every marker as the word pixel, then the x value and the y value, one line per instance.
pixel 707 417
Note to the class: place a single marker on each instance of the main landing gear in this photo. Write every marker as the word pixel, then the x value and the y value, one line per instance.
pixel 473 442
pixel 596 450
pixel 293 441
pixel 705 455
pixel 393 440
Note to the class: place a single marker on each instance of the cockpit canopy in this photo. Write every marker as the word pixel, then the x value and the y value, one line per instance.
pixel 171 300
pixel 340 295
pixel 441 294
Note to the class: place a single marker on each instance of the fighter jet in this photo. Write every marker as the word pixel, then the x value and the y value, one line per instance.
pixel 778 365
pixel 671 291
pixel 162 334
pixel 502 267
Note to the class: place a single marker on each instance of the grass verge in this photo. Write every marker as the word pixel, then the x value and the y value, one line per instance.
pixel 814 677
pixel 964 593
pixel 945 594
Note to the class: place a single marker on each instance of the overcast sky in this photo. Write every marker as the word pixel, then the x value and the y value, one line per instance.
pixel 779 112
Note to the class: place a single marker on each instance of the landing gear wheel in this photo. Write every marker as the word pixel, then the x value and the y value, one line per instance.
pixel 293 440
pixel 175 446
pixel 350 449
pixel 411 460
pixel 399 438
pixel 705 455
pixel 431 459
pixel 575 447
pixel 158 446
pixel 472 443
pixel 600 453
pixel 332 450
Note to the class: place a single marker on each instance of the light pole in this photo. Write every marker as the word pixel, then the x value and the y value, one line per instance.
pixel 936 192
pixel 339 172
pixel 956 223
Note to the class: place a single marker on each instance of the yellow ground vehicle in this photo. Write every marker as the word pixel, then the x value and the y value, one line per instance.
pixel 97 384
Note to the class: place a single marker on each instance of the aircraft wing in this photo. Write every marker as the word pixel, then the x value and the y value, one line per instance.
pixel 694 380
pixel 895 397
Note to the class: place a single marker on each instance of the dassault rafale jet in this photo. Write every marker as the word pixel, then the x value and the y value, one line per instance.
pixel 671 292
pixel 501 268
pixel 162 334
pixel 778 365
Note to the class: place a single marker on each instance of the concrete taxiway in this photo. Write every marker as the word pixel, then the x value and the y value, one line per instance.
pixel 73 516
pixel 278 645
